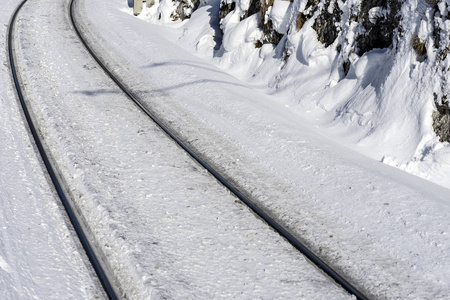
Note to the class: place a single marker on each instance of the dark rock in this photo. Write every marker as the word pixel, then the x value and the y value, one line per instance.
pixel 225 9
pixel 419 46
pixel 441 126
pixel 258 44
pixel 326 25
pixel 441 120
pixel 301 19
pixel 346 67
pixel 379 32
pixel 254 7
pixel 271 36
pixel 184 9
pixel 313 4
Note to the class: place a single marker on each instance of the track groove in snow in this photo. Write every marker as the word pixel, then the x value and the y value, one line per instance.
pixel 58 184
pixel 40 258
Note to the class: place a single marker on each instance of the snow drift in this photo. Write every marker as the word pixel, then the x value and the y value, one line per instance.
pixel 372 73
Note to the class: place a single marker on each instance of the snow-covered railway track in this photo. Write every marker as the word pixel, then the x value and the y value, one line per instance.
pixel 59 187
pixel 229 184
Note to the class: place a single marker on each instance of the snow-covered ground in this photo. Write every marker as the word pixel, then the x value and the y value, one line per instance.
pixel 40 257
pixel 167 229
pixel 348 207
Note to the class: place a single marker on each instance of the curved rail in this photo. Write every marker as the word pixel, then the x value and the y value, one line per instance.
pixel 230 186
pixel 72 216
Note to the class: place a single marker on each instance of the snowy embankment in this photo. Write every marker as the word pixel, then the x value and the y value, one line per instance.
pixel 384 228
pixel 40 256
pixel 321 58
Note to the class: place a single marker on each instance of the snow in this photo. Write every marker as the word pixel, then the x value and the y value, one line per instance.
pixel 40 256
pixel 385 91
pixel 164 227
pixel 294 134
pixel 277 15
pixel 318 188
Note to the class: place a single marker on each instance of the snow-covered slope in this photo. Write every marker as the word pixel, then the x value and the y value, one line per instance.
pixel 372 74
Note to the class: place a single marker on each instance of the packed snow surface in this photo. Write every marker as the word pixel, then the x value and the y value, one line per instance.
pixel 40 256
pixel 164 226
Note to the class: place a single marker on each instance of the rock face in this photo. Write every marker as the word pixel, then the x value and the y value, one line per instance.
pixel 441 121
pixel 327 23
pixel 270 34
pixel 225 9
pixel 441 125
pixel 379 21
pixel 184 9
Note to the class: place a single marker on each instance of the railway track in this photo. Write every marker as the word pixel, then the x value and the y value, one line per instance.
pixel 90 251
pixel 236 190
pixel 228 184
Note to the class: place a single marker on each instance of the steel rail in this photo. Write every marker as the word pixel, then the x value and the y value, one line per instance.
pixel 50 169
pixel 230 186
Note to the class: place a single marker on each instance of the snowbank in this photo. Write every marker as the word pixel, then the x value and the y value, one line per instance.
pixel 369 74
